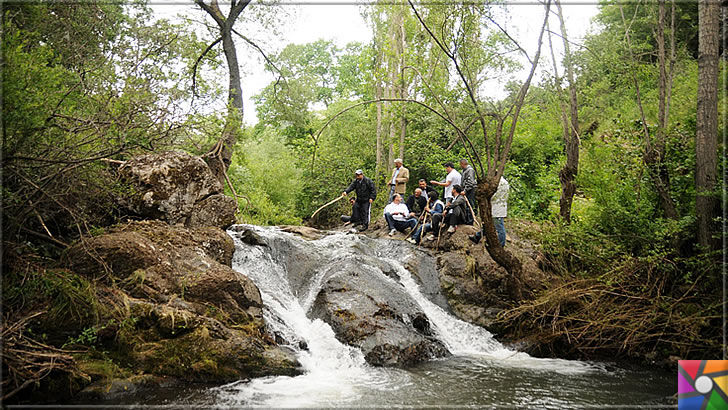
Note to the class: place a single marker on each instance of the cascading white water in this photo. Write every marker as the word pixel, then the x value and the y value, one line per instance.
pixel 332 370
pixel 334 373
pixel 462 338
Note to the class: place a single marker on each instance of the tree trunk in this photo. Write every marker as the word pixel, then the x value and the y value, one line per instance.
pixel 378 92
pixel 655 156
pixel 484 192
pixel 568 173
pixel 234 120
pixel 706 138
pixel 392 131
pixel 402 81
pixel 220 156
pixel 654 151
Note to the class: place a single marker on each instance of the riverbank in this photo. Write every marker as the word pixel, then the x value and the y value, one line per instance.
pixel 621 310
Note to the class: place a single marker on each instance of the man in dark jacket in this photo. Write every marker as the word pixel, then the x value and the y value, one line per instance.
pixel 455 211
pixel 426 189
pixel 469 183
pixel 417 203
pixel 366 193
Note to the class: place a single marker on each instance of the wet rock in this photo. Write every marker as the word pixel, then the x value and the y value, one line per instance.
pixel 215 210
pixel 304 232
pixel 457 240
pixel 251 238
pixel 368 310
pixel 201 356
pixel 177 188
pixel 474 286
pixel 114 389
pixel 423 268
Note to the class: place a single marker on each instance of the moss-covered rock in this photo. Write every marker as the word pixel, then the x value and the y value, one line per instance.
pixel 166 303
pixel 150 259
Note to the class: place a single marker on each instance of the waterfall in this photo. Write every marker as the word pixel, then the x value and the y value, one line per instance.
pixel 335 373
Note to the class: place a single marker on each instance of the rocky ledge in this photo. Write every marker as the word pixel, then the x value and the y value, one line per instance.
pixel 475 286
pixel 192 316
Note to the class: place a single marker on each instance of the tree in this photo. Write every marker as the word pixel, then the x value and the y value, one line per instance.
pixel 706 137
pixel 94 84
pixel 496 147
pixel 654 148
pixel 570 123
pixel 314 75
pixel 220 155
pixel 391 81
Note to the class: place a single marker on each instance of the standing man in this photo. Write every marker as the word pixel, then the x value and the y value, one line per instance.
pixel 453 178
pixel 499 210
pixel 469 182
pixel 398 182
pixel 366 193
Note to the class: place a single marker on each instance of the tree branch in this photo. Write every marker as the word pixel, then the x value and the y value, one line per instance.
pixel 213 10
pixel 522 94
pixel 194 67
pixel 467 87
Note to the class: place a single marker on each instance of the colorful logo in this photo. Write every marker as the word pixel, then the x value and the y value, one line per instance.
pixel 702 384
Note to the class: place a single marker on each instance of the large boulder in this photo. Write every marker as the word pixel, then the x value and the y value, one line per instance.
pixel 370 311
pixel 353 283
pixel 194 347
pixel 151 259
pixel 177 188
pixel 194 317
pixel 476 288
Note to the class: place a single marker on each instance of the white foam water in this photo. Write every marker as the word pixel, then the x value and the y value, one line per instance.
pixel 335 374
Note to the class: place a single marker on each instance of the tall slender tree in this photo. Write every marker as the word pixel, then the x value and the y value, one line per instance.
pixel 570 123
pixel 706 137
pixel 654 148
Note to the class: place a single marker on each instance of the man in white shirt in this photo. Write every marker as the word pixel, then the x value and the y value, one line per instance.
pixel 499 210
pixel 453 178
pixel 397 215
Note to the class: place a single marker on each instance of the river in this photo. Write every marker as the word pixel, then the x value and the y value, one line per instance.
pixel 480 372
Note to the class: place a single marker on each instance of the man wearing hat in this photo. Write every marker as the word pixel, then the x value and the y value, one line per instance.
pixel 398 182
pixel 366 193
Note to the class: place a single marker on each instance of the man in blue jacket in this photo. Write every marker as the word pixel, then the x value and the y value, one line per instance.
pixel 366 193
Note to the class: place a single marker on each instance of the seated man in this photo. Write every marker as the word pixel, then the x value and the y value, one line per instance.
pixel 417 203
pixel 426 189
pixel 398 216
pixel 435 207
pixel 456 212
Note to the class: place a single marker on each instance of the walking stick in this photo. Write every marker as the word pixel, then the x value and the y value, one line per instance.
pixel 473 213
pixel 416 225
pixel 439 231
pixel 325 205
pixel 423 229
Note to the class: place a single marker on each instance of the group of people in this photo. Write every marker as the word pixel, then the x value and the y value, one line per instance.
pixel 424 205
